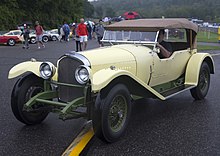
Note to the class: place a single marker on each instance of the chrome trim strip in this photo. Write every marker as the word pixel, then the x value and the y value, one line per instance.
pixel 188 88
pixel 80 57
pixel 134 42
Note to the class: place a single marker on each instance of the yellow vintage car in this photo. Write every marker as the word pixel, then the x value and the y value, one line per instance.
pixel 100 84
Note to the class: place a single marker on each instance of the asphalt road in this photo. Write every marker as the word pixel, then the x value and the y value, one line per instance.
pixel 53 136
pixel 179 126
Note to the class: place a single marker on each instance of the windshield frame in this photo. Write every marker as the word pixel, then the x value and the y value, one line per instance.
pixel 115 41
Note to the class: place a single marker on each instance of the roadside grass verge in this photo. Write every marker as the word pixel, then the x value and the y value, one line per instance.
pixel 206 36
pixel 206 47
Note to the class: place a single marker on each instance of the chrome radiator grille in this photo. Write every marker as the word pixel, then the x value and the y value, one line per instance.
pixel 66 74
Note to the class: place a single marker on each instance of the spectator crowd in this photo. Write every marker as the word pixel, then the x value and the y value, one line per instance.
pixel 80 32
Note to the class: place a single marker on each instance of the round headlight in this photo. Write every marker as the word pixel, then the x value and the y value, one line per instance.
pixel 82 74
pixel 47 70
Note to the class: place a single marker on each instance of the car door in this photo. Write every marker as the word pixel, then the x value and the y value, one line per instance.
pixel 6 37
pixel 18 34
pixel 168 69
pixel 160 70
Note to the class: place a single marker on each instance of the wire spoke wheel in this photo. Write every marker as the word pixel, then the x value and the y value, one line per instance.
pixel 201 90
pixel 117 113
pixel 111 113
pixel 203 80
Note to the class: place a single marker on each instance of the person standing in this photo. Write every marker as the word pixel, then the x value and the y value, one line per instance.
pixel 99 30
pixel 77 38
pixel 83 33
pixel 89 29
pixel 61 34
pixel 25 34
pixel 39 34
pixel 66 30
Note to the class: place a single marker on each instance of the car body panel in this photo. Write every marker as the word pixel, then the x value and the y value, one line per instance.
pixel 53 33
pixel 165 70
pixel 123 58
pixel 28 66
pixel 4 39
pixel 193 67
pixel 102 58
pixel 99 81
pixel 13 33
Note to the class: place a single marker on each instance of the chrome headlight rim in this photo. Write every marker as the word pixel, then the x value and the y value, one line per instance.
pixel 50 69
pixel 79 78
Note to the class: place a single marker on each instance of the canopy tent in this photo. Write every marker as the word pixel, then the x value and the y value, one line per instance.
pixel 131 15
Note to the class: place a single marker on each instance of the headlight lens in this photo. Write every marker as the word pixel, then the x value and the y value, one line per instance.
pixel 47 70
pixel 82 74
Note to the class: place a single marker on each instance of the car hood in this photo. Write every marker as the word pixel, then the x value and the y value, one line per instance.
pixel 117 56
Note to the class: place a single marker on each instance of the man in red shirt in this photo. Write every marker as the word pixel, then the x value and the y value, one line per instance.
pixel 82 32
pixel 39 33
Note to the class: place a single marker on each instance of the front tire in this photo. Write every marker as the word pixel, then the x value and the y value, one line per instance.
pixel 24 89
pixel 111 114
pixel 199 92
pixel 11 42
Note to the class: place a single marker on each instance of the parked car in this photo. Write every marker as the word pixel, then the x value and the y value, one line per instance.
pixel 11 38
pixel 32 37
pixel 104 81
pixel 53 34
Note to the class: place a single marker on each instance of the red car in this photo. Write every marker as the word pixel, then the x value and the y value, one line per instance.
pixel 11 38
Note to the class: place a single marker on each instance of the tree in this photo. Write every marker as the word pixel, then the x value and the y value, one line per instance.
pixel 110 12
pixel 99 12
pixel 50 13
pixel 88 9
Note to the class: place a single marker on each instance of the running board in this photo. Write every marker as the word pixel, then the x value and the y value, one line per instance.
pixel 172 92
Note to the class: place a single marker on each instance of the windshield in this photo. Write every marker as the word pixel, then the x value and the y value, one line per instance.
pixel 129 36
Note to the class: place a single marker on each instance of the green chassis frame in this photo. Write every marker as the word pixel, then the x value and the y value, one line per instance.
pixel 65 110
pixel 68 110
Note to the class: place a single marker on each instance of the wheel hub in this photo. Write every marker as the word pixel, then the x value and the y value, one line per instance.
pixel 117 113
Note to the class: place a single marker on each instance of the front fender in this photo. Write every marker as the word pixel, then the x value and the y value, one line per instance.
pixel 193 67
pixel 103 77
pixel 28 66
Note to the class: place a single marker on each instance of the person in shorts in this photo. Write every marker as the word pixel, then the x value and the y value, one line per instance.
pixel 83 34
pixel 39 34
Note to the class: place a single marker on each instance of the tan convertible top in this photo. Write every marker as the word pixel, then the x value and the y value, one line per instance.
pixel 153 24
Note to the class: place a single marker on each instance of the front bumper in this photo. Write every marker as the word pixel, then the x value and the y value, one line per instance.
pixel 49 99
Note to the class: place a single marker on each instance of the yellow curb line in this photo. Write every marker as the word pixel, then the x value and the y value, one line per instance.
pixel 80 142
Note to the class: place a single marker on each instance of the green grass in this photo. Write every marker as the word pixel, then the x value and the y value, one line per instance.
pixel 205 47
pixel 205 36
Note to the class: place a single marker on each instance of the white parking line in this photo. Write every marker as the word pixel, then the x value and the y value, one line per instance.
pixel 215 54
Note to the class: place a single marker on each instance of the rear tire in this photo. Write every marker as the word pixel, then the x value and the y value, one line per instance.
pixel 23 90
pixel 32 40
pixel 54 38
pixel 111 114
pixel 45 39
pixel 199 92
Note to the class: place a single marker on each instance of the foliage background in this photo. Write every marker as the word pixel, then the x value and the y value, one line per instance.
pixel 50 13
pixel 208 10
